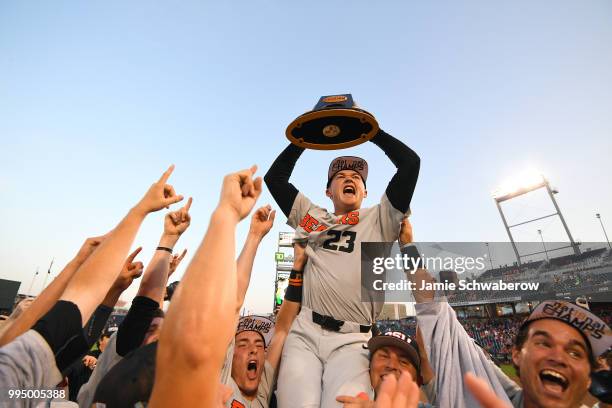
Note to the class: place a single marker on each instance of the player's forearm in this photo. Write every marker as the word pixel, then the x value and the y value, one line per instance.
pixel 155 277
pixel 244 266
pixel 207 295
pixel 287 313
pixel 92 281
pixel 41 305
pixel 277 178
pixel 402 185
pixel 205 299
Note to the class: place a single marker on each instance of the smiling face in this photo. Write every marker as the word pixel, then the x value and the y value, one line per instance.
pixel 553 364
pixel 248 362
pixel 346 191
pixel 389 360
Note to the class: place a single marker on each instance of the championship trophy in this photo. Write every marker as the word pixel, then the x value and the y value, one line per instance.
pixel 334 123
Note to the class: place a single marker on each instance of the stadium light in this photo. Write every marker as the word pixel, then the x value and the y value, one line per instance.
pixel 524 183
pixel 521 183
pixel 598 216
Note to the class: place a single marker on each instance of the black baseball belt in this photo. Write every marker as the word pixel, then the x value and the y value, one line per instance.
pixel 329 323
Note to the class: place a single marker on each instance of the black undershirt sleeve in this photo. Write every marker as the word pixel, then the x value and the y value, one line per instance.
pixel 61 327
pixel 96 324
pixel 277 178
pixel 133 328
pixel 401 187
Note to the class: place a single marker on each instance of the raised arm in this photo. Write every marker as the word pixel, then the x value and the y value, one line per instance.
pixel 277 178
pixel 261 223
pixel 290 307
pixel 420 275
pixel 402 185
pixel 49 296
pixel 189 366
pixel 94 278
pixel 155 277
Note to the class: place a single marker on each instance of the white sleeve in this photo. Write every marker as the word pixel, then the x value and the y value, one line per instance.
pixel 300 207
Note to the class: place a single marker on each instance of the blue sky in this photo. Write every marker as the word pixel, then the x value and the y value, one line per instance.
pixel 98 98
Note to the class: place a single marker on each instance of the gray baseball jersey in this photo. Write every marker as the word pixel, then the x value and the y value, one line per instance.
pixel 332 277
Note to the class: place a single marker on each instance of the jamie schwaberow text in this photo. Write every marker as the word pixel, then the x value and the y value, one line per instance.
pixel 464 284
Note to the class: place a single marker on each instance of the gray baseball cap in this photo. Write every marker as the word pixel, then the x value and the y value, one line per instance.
pixel 348 163
pixel 595 330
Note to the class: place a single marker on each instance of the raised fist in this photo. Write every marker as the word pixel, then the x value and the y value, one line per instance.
pixel 262 221
pixel 240 192
pixel 88 247
pixel 176 222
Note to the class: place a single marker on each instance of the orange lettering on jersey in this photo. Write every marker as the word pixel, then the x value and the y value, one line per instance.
pixel 351 218
pixel 310 224
pixel 304 220
pixel 237 404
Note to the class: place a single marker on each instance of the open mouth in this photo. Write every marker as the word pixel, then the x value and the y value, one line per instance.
pixel 252 369
pixel 553 381
pixel 348 190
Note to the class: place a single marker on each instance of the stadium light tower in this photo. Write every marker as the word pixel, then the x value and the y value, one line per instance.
pixel 543 245
pixel 524 184
pixel 598 216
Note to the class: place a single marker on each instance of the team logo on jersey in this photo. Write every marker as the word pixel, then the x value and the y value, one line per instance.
pixel 310 224
pixel 237 404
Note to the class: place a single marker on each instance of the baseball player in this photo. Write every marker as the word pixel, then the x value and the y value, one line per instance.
pixel 554 351
pixel 323 355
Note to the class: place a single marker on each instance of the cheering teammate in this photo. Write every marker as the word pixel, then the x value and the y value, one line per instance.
pixel 323 355
pixel 554 351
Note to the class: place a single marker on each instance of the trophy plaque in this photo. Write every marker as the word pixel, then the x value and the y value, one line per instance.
pixel 334 123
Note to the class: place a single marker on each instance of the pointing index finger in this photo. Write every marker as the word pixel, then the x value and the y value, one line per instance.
pixel 133 254
pixel 188 205
pixel 164 178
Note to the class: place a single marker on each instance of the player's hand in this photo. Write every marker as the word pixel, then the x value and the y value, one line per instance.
pixel 418 277
pixel 262 221
pixel 131 270
pixel 88 247
pixel 299 256
pixel 483 393
pixel 175 261
pixel 20 308
pixel 160 195
pixel 360 401
pixel 90 362
pixel 402 393
pixel 224 393
pixel 177 222
pixel 406 236
pixel 240 192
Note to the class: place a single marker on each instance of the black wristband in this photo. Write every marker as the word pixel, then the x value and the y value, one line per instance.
pixel 414 260
pixel 161 248
pixel 294 290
